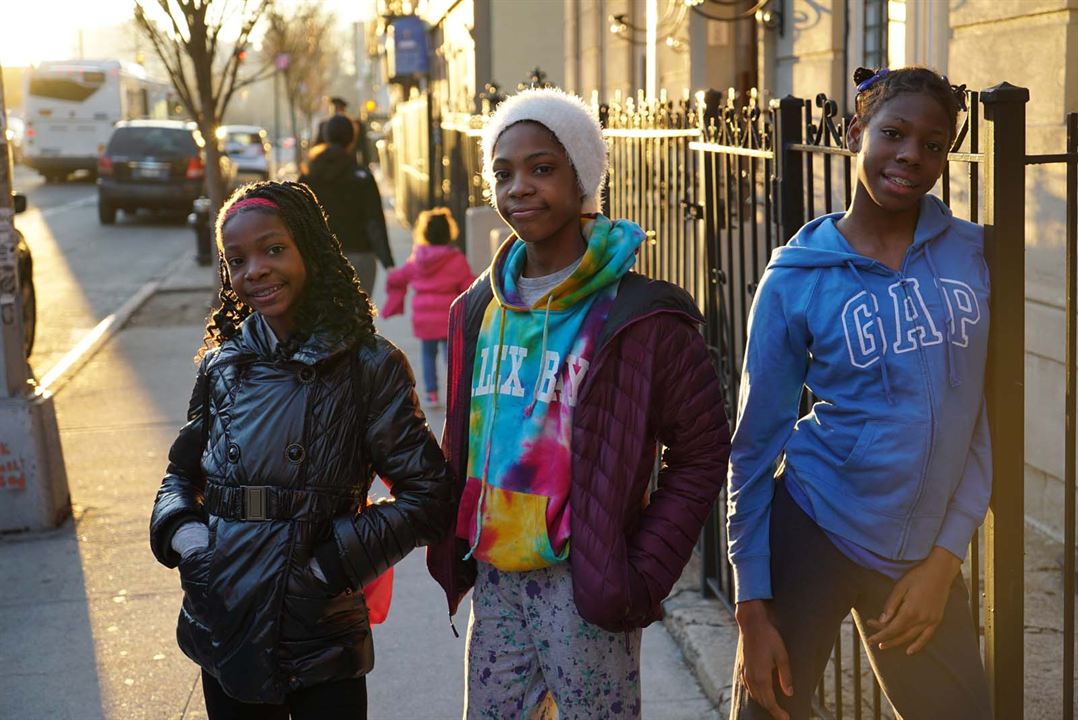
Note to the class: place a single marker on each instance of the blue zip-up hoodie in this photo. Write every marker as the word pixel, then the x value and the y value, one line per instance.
pixel 894 456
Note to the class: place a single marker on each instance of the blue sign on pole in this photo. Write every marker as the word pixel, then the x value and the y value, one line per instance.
pixel 408 51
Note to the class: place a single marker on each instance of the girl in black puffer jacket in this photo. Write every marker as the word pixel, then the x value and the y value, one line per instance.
pixel 297 404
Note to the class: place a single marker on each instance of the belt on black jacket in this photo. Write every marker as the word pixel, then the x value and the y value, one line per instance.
pixel 270 502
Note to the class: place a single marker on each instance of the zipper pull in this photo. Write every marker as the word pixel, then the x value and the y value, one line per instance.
pixel 453 627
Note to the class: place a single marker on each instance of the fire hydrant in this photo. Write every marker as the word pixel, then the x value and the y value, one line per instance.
pixel 199 220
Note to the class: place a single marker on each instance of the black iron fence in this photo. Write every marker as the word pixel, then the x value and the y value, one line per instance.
pixel 718 181
pixel 717 198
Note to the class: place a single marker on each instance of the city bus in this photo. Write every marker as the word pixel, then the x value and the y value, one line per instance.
pixel 71 107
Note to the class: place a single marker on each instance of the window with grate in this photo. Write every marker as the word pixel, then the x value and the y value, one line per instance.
pixel 875 33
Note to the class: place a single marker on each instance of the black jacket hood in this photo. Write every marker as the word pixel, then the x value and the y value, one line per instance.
pixel 332 164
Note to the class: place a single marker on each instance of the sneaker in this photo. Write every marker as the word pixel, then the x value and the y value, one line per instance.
pixel 432 399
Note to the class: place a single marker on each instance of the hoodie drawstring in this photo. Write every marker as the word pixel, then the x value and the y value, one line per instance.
pixel 952 364
pixel 542 357
pixel 490 433
pixel 876 318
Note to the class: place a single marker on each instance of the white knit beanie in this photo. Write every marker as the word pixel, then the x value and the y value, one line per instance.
pixel 572 123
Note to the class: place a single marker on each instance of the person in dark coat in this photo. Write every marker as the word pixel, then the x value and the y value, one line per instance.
pixel 566 372
pixel 340 109
pixel 349 194
pixel 297 404
pixel 339 106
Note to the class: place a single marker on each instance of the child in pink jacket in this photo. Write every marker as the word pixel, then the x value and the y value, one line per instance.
pixel 438 272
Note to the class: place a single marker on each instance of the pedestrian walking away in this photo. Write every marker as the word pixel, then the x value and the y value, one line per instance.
pixel 566 370
pixel 882 312
pixel 349 195
pixel 438 272
pixel 338 107
pixel 297 404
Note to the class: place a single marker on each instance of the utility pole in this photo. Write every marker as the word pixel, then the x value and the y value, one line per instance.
pixel 33 481
pixel 650 52
pixel 276 115
pixel 280 64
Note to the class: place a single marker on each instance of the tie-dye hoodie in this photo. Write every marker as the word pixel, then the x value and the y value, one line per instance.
pixel 529 365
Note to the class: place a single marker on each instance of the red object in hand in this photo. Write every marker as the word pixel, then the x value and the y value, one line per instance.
pixel 379 594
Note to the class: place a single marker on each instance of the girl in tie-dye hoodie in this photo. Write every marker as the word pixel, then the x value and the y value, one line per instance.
pixel 566 370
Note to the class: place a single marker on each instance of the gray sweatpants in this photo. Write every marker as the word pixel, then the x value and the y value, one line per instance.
pixel 529 649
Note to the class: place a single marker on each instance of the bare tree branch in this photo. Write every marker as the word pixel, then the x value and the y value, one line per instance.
pixel 173 65
pixel 306 35
pixel 203 69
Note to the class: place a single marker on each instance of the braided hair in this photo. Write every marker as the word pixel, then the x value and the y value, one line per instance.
pixel 332 302
pixel 876 87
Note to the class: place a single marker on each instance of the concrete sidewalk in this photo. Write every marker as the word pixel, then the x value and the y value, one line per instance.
pixel 87 617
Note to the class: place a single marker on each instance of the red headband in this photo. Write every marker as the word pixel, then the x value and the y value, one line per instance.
pixel 249 202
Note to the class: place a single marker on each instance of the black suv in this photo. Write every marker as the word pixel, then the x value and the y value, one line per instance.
pixel 153 164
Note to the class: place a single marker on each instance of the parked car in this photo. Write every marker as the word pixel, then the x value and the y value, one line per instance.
pixel 249 148
pixel 154 164
pixel 25 267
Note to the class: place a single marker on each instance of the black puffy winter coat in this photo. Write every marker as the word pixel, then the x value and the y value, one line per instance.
pixel 282 471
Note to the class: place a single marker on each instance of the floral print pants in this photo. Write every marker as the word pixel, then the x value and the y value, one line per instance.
pixel 532 657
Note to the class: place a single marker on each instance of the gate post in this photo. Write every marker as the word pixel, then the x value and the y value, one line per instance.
pixel 1004 246
pixel 711 546
pixel 789 190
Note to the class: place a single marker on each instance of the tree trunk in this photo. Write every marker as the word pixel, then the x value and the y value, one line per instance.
pixel 215 183
pixel 207 122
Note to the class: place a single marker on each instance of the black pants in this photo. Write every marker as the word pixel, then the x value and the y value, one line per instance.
pixel 340 700
pixel 815 586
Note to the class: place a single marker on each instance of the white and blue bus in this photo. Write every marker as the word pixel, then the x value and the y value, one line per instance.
pixel 71 107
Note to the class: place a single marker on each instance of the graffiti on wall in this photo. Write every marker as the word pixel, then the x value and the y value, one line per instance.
pixel 12 472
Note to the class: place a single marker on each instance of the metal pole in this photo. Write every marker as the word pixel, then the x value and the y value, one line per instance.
pixel 276 114
pixel 789 183
pixel 33 481
pixel 1004 244
pixel 14 371
pixel 651 28
pixel 434 157
pixel 1069 469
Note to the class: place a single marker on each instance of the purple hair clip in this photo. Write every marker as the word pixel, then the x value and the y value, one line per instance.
pixel 875 78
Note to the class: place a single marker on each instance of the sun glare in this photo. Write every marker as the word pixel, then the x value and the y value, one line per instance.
pixel 64 29
pixel 50 30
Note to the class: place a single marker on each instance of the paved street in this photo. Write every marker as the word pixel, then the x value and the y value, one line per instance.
pixel 84 270
pixel 87 617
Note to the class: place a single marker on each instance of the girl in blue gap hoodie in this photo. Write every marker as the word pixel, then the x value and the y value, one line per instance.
pixel 882 312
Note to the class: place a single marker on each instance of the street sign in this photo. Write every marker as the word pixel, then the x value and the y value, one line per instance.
pixel 407 51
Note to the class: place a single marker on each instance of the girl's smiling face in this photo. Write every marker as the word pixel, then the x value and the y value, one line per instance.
pixel 901 150
pixel 265 267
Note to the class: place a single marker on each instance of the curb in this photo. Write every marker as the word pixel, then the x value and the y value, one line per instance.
pixel 706 632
